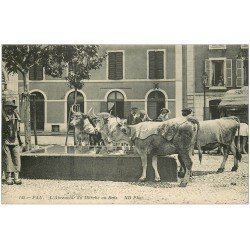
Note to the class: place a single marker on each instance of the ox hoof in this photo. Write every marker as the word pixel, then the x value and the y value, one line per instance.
pixel 181 174
pixel 234 168
pixel 142 180
pixel 157 179
pixel 183 184
pixel 220 170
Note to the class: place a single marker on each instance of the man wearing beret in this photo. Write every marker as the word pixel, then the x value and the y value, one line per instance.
pixel 11 143
pixel 186 112
pixel 133 118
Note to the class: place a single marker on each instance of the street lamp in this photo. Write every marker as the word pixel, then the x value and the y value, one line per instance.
pixel 204 78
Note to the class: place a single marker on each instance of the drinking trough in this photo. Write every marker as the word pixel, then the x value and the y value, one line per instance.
pixel 70 163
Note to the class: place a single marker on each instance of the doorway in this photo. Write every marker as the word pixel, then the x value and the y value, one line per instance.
pixel 39 108
pixel 155 102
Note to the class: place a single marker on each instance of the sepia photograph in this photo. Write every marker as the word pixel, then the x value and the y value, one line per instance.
pixel 125 124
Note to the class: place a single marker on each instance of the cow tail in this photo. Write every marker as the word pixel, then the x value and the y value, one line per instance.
pixel 238 154
pixel 198 142
pixel 195 121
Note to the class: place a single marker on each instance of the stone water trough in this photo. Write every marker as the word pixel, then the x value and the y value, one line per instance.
pixel 67 163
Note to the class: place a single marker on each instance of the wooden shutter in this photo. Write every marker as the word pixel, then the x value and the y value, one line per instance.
pixel 36 73
pixel 39 72
pixel 228 76
pixel 159 63
pixel 151 65
pixel 32 73
pixel 103 107
pixel 111 66
pixel 119 65
pixel 208 70
pixel 239 72
pixel 127 108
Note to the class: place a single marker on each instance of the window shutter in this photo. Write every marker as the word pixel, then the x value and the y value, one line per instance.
pixel 111 66
pixel 228 76
pixel 151 65
pixel 127 108
pixel 208 70
pixel 39 72
pixel 103 107
pixel 159 71
pixel 36 73
pixel 119 65
pixel 239 72
pixel 32 73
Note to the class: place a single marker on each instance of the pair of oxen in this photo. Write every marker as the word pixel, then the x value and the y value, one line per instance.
pixel 175 136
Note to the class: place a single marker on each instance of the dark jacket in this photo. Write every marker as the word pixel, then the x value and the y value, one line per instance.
pixel 131 120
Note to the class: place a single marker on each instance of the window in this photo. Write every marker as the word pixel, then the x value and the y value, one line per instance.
pixel 219 72
pixel 115 104
pixel 156 64
pixel 244 46
pixel 246 72
pixel 115 65
pixel 36 73
pixel 242 72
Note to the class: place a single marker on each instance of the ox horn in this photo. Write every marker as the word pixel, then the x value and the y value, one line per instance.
pixel 93 113
pixel 119 123
pixel 89 110
pixel 148 117
pixel 72 110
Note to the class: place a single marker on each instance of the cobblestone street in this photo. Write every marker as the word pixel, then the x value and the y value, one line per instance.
pixel 205 187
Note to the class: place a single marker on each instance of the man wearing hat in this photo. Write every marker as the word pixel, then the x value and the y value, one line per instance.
pixel 186 111
pixel 163 115
pixel 10 143
pixel 132 119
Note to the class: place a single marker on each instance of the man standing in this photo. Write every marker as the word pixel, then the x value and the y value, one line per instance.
pixel 133 117
pixel 10 143
pixel 186 112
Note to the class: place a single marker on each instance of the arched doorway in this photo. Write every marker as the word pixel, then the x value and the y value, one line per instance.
pixel 71 100
pixel 155 102
pixel 115 104
pixel 38 109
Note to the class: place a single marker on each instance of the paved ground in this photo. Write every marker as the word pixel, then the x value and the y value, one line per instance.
pixel 205 187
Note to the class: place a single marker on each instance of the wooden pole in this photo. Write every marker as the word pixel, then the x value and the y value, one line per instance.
pixel 27 128
pixel 34 121
pixel 75 101
pixel 66 142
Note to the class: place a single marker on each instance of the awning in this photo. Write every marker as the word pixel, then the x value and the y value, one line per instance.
pixel 235 98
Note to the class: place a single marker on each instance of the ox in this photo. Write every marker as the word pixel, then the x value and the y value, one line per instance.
pixel 174 136
pixel 221 132
pixel 84 128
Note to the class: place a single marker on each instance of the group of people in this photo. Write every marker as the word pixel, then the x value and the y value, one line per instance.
pixel 136 116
